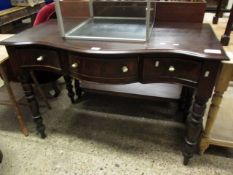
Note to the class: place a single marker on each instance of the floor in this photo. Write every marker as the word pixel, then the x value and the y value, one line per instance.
pixel 106 139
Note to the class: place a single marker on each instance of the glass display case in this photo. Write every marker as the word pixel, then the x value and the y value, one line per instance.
pixel 115 20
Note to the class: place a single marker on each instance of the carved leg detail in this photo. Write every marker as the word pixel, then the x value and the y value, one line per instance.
pixel 194 128
pixel 28 90
pixel 69 88
pixel 186 101
pixel 78 89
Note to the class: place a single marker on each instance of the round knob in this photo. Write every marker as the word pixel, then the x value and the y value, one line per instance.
pixel 125 69
pixel 171 69
pixel 40 58
pixel 74 65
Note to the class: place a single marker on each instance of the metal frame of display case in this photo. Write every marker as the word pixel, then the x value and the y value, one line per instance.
pixel 148 26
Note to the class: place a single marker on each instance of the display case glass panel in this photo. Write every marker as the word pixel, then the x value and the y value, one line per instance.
pixel 115 20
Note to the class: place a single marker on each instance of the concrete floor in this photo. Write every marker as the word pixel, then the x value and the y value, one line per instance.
pixel 100 135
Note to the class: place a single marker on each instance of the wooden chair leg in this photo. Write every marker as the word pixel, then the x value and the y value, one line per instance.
pixel 41 92
pixel 56 89
pixel 204 145
pixel 226 36
pixel 1 156
pixel 14 103
pixel 218 12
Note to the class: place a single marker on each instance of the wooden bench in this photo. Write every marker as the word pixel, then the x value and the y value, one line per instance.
pixel 12 15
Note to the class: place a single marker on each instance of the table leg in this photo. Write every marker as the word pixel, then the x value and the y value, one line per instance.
pixel 226 36
pixel 194 128
pixel 39 89
pixel 218 12
pixel 186 101
pixel 69 87
pixel 33 103
pixel 78 89
pixel 1 156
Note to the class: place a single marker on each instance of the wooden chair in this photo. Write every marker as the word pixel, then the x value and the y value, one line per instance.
pixel 12 97
pixel 226 36
pixel 218 129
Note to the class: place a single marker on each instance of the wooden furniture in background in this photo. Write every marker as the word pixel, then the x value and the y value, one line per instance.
pixel 213 4
pixel 1 156
pixel 226 36
pixel 225 39
pixel 221 132
pixel 6 74
pixel 10 16
pixel 19 114
pixel 183 11
pixel 169 56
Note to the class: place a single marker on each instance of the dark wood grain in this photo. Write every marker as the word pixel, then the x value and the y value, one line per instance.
pixel 191 12
pixel 107 70
pixel 184 70
pixel 38 58
pixel 179 45
pixel 186 35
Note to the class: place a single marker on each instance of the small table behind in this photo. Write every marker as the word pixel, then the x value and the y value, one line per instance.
pixel 184 53
pixel 14 14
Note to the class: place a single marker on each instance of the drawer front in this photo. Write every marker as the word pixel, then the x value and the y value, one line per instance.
pixel 39 58
pixel 171 68
pixel 106 70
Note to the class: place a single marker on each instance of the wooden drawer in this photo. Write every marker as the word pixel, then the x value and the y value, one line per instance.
pixel 154 68
pixel 105 70
pixel 39 58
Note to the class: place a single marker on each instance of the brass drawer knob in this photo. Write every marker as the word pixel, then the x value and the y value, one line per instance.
pixel 171 69
pixel 74 65
pixel 125 69
pixel 156 63
pixel 40 58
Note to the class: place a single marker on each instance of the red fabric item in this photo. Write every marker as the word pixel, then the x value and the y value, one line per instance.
pixel 44 14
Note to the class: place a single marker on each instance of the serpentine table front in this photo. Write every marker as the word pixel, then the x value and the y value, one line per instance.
pixel 184 53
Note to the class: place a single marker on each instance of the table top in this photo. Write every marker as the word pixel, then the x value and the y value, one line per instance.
pixel 192 39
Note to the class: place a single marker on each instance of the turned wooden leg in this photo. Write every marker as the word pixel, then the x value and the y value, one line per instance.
pixel 194 128
pixel 78 89
pixel 41 92
pixel 186 101
pixel 30 96
pixel 1 156
pixel 69 88
pixel 226 37
pixel 218 12
pixel 56 89
pixel 18 111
